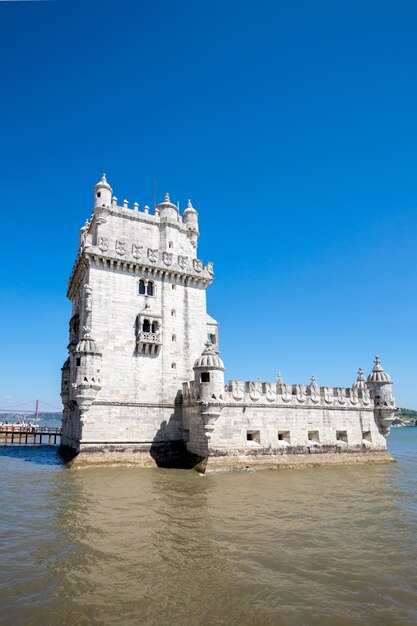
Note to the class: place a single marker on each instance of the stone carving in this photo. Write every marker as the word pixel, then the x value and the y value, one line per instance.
pixel 197 265
pixel 341 398
pixel 328 395
pixel 286 393
pixel 301 393
pixel 182 261
pixel 103 244
pixel 88 298
pixel 366 398
pixel 255 390
pixel 314 390
pixel 153 254
pixel 270 392
pixel 167 258
pixel 237 389
pixel 121 248
pixel 137 251
pixel 354 396
pixel 210 268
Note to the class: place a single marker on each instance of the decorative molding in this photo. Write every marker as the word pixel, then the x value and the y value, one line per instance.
pixel 121 248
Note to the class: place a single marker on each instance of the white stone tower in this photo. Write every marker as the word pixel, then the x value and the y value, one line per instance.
pixel 138 324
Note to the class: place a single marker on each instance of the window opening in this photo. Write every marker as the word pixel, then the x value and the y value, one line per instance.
pixel 173 313
pixel 149 289
pixel 174 366
pixel 313 435
pixel 146 326
pixel 284 435
pixel 253 435
pixel 366 435
pixel 341 435
pixel 174 338
pixel 142 287
pixel 205 377
pixel 78 361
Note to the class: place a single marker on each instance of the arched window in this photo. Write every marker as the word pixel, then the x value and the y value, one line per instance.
pixel 173 313
pixel 146 327
pixel 174 366
pixel 170 244
pixel 149 288
pixel 154 327
pixel 142 287
pixel 174 338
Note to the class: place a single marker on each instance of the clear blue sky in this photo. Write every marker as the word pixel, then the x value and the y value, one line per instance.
pixel 291 125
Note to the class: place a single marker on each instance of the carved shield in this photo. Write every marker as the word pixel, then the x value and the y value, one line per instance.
pixel 121 247
pixel 301 393
pixel 270 391
pixel 182 261
pixel 328 395
pixel 103 244
pixel 286 393
pixel 153 254
pixel 197 265
pixel 341 396
pixel 237 389
pixel 167 258
pixel 137 251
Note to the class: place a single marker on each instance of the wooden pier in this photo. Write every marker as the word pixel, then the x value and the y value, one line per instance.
pixel 21 435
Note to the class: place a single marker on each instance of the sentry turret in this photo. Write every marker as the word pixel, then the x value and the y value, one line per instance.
pixel 190 217
pixel 102 193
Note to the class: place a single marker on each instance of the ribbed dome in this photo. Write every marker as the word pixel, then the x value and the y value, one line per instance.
pixel 87 344
pixel 360 382
pixel 378 375
pixel 167 202
pixel 209 359
pixel 103 184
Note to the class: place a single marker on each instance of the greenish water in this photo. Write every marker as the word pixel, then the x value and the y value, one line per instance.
pixel 322 546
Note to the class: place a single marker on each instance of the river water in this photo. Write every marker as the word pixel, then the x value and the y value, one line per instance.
pixel 321 546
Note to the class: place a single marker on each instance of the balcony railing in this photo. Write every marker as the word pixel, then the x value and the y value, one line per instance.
pixel 149 337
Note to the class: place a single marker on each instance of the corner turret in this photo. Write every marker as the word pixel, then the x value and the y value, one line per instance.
pixel 167 211
pixel 379 384
pixel 209 386
pixel 190 217
pixel 102 193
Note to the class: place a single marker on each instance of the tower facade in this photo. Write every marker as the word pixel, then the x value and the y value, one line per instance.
pixel 139 321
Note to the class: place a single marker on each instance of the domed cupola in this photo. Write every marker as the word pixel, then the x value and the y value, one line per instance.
pixel 167 210
pixel 102 193
pixel 209 359
pixel 360 382
pixel 378 374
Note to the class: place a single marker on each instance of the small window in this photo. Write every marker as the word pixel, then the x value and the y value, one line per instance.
pixel 146 327
pixel 174 366
pixel 366 435
pixel 284 436
pixel 313 435
pixel 149 288
pixel 341 435
pixel 254 436
pixel 99 194
pixel 170 244
pixel 142 287
pixel 205 377
pixel 173 286
pixel 174 338
pixel 78 361
pixel 173 313
pixel 154 327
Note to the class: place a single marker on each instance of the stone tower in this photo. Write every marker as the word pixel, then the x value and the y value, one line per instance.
pixel 138 324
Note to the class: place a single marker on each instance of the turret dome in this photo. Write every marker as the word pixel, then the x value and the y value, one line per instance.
pixel 360 382
pixel 378 375
pixel 87 345
pixel 209 359
pixel 103 184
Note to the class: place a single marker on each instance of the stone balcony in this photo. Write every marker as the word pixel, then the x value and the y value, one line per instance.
pixel 148 342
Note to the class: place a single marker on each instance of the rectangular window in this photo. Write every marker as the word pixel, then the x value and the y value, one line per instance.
pixel 313 435
pixel 205 377
pixel 78 361
pixel 253 435
pixel 341 435
pixel 284 435
pixel 366 435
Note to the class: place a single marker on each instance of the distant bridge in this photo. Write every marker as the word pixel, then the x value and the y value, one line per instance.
pixel 38 405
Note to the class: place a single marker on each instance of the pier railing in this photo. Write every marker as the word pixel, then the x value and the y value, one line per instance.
pixel 15 434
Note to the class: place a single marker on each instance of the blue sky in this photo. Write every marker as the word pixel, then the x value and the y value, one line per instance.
pixel 292 127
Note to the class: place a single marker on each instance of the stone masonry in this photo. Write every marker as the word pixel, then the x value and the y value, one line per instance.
pixel 143 382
